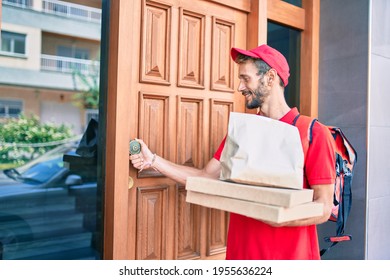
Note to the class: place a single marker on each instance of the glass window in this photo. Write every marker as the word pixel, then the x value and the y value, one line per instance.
pixel 10 108
pixel 21 3
pixel 50 198
pixel 294 2
pixel 13 42
pixel 49 208
pixel 68 59
pixel 81 54
pixel 91 114
pixel 73 52
pixel 287 41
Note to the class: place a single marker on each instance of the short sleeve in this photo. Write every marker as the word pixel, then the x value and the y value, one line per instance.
pixel 218 153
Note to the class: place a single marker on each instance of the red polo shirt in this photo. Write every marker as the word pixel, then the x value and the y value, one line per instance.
pixel 251 239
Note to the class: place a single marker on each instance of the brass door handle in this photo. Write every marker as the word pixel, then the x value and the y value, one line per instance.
pixel 131 182
pixel 134 148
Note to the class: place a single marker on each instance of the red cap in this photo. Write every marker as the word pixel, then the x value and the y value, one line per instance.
pixel 270 56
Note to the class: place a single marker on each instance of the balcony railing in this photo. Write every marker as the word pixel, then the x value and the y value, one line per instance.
pixel 71 10
pixel 19 3
pixel 69 65
pixel 60 8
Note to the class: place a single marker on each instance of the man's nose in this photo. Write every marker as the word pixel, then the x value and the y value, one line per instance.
pixel 241 86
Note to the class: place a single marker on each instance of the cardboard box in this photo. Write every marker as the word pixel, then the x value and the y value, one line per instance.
pixel 256 210
pixel 265 195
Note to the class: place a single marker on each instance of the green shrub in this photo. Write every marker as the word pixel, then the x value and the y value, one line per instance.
pixel 25 138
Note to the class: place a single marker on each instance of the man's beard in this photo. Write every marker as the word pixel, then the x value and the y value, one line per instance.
pixel 258 97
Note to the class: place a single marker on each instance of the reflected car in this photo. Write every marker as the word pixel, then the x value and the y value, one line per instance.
pixel 48 207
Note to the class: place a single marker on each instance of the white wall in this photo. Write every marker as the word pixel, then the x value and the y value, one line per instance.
pixel 62 113
pixel 378 187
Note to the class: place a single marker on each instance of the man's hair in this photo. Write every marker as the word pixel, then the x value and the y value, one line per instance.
pixel 261 65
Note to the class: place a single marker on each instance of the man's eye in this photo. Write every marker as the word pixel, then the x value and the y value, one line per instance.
pixel 244 79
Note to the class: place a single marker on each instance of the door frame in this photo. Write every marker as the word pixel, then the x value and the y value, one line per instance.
pixel 305 19
pixel 115 86
pixel 113 90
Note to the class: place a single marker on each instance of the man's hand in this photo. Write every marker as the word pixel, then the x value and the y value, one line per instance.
pixel 322 194
pixel 144 159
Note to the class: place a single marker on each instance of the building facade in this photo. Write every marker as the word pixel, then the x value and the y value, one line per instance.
pixel 44 45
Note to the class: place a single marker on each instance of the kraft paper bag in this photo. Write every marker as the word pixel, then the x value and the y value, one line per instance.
pixel 262 151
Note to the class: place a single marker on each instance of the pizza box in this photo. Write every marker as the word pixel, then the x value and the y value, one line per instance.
pixel 264 212
pixel 265 195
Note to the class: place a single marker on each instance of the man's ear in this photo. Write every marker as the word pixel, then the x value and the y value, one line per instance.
pixel 272 76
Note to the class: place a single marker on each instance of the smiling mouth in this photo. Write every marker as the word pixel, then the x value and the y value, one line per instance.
pixel 246 93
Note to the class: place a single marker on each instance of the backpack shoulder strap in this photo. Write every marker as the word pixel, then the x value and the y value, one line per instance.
pixel 305 128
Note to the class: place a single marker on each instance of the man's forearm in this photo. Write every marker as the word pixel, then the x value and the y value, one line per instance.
pixel 322 194
pixel 179 173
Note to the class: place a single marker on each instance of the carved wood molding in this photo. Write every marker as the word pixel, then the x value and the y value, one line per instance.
pixel 152 215
pixel 190 131
pixel 153 125
pixel 217 225
pixel 191 49
pixel 222 65
pixel 155 43
pixel 219 120
pixel 187 226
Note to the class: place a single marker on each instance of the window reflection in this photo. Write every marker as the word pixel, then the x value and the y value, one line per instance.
pixel 287 41
pixel 48 208
pixel 294 2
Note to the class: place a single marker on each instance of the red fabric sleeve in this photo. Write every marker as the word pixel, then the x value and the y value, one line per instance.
pixel 218 153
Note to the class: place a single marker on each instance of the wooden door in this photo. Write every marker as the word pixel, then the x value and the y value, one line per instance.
pixel 173 85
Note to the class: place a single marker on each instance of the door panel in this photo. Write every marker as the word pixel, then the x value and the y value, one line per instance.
pixel 153 125
pixel 179 93
pixel 222 64
pixel 191 49
pixel 187 227
pixel 156 32
pixel 186 92
pixel 152 214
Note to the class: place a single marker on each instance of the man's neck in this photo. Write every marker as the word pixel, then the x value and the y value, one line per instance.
pixel 275 108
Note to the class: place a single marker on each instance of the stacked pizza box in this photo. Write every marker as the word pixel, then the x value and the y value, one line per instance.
pixel 270 204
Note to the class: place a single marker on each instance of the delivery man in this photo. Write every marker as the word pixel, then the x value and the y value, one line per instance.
pixel 263 74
